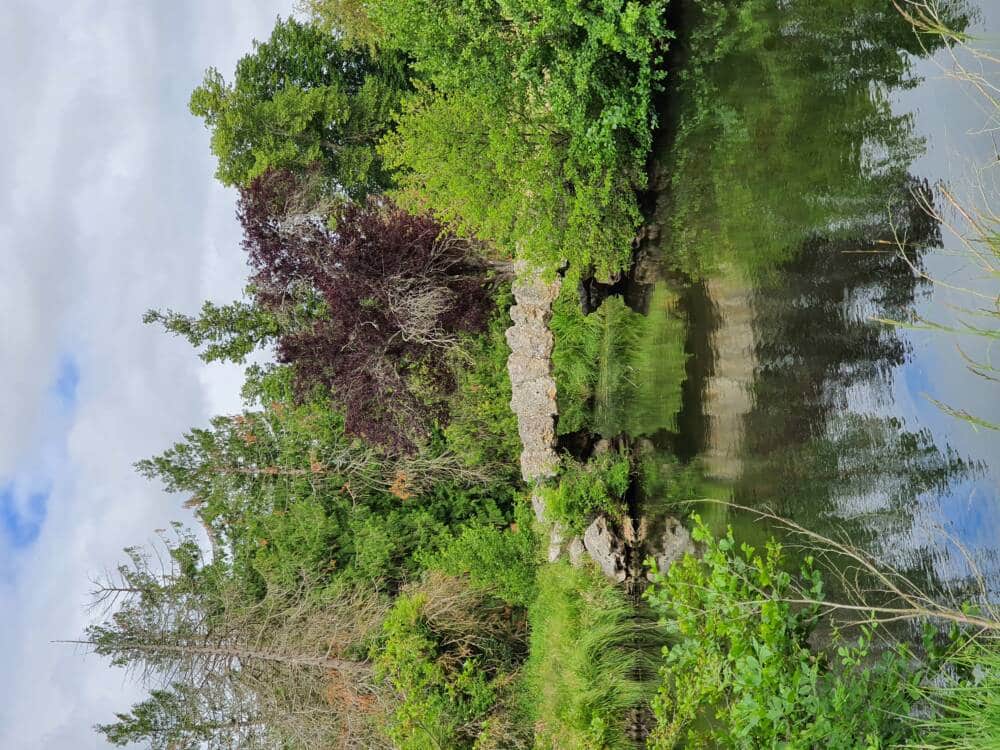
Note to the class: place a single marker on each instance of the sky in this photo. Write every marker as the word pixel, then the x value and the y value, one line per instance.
pixel 108 207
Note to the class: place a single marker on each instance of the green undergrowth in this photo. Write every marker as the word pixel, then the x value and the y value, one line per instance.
pixel 585 489
pixel 501 561
pixel 482 429
pixel 450 655
pixel 740 673
pixel 617 370
pixel 580 679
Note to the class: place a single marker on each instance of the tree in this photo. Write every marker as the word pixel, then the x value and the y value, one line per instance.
pixel 302 96
pixel 182 717
pixel 399 293
pixel 347 17
pixel 231 671
pixel 228 332
pixel 531 121
pixel 286 496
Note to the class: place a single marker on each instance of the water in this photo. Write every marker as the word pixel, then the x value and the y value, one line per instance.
pixel 804 142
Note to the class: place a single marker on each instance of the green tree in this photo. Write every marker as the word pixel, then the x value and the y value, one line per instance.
pixel 227 332
pixel 183 718
pixel 347 17
pixel 227 670
pixel 532 121
pixel 302 96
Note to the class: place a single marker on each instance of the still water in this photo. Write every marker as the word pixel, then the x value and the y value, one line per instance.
pixel 797 203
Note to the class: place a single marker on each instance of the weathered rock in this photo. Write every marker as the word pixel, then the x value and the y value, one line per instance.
pixel 672 545
pixel 576 551
pixel 533 389
pixel 556 540
pixel 606 549
pixel 538 505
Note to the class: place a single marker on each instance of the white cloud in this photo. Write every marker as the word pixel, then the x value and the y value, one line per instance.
pixel 107 207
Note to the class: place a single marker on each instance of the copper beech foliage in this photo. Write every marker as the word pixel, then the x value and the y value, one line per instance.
pixel 396 293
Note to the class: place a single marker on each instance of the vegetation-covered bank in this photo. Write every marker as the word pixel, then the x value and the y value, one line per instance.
pixel 376 575
pixel 439 208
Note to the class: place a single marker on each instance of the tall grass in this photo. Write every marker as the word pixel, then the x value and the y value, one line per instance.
pixel 965 706
pixel 617 370
pixel 587 657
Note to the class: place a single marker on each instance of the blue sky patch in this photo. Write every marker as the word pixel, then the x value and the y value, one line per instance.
pixel 22 514
pixel 67 382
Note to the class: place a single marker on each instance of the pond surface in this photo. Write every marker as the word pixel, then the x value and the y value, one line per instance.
pixel 796 205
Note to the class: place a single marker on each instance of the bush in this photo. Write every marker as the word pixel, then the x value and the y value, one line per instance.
pixel 531 122
pixel 584 490
pixel 740 673
pixel 502 562
pixel 482 429
pixel 448 654
pixel 398 294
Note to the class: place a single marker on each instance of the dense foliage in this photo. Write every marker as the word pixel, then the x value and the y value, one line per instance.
pixel 397 294
pixel 739 672
pixel 586 489
pixel 450 655
pixel 300 98
pixel 530 123
pixel 376 577
pixel 291 497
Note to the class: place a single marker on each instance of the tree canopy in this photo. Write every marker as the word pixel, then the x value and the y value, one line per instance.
pixel 399 293
pixel 299 98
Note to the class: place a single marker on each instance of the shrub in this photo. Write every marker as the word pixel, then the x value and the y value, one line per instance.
pixel 584 490
pixel 531 122
pixel 502 562
pixel 397 293
pixel 740 673
pixel 448 654
pixel 482 429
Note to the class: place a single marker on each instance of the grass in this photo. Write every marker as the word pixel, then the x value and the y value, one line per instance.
pixel 586 489
pixel 580 678
pixel 965 706
pixel 616 370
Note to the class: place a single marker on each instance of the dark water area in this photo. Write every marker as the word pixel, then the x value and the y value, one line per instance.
pixel 796 206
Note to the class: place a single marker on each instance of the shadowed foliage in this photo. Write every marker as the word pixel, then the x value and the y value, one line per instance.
pixel 398 294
